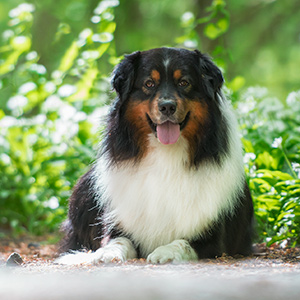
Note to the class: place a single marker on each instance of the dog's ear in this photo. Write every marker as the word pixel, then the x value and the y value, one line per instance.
pixel 211 75
pixel 124 75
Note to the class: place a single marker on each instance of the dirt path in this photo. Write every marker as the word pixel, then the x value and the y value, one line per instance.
pixel 274 275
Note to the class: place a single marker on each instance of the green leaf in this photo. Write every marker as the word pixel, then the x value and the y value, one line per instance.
pixel 248 146
pixel 2 114
pixel 85 85
pixel 282 176
pixel 212 31
pixel 69 57
pixel 237 83
pixel 223 24
pixel 266 160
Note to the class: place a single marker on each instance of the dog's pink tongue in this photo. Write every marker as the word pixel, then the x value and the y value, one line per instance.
pixel 168 132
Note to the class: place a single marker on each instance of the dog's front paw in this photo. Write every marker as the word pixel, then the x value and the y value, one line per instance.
pixel 117 250
pixel 162 255
pixel 109 254
pixel 177 251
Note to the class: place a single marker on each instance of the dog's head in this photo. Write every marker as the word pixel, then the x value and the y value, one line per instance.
pixel 167 92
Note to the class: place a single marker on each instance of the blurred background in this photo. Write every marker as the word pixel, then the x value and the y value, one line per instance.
pixel 56 58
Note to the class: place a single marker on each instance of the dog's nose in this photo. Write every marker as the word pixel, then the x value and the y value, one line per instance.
pixel 167 107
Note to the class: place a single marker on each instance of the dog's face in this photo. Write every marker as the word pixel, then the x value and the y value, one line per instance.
pixel 166 92
pixel 166 95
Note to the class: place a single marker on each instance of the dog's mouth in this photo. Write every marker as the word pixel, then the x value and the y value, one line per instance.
pixel 168 132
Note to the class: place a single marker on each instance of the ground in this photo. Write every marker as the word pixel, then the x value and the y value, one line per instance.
pixel 273 274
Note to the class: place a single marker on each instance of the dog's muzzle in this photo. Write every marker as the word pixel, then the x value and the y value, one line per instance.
pixel 167 107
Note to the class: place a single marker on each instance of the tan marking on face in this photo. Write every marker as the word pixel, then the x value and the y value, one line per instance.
pixel 155 76
pixel 177 74
pixel 181 109
pixel 198 116
pixel 154 112
pixel 193 130
pixel 136 114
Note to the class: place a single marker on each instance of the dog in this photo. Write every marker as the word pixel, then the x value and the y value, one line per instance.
pixel 168 184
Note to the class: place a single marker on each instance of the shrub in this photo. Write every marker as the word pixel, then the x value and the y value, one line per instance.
pixel 271 138
pixel 48 124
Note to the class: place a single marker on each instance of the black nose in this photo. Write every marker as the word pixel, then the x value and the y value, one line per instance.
pixel 167 107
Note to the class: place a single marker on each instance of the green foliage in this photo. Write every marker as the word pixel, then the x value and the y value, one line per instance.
pixel 47 124
pixel 214 24
pixel 271 137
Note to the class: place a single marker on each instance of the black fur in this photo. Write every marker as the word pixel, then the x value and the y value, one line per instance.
pixel 85 226
pixel 118 140
pixel 232 234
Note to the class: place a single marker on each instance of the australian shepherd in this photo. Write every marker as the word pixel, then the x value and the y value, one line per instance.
pixel 168 184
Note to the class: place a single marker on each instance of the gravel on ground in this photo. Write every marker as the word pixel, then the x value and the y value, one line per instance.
pixel 273 274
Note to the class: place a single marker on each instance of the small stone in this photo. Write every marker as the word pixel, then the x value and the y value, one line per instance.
pixel 33 246
pixel 14 260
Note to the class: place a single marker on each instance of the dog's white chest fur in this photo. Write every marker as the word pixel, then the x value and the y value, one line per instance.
pixel 161 199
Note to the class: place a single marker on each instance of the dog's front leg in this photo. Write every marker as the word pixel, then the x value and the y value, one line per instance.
pixel 177 251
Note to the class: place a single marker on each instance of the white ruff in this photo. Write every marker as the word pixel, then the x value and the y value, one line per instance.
pixel 161 200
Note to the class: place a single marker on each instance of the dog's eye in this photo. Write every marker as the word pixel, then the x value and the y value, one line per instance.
pixel 183 83
pixel 150 84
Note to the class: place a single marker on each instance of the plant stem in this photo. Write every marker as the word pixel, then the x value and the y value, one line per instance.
pixel 288 163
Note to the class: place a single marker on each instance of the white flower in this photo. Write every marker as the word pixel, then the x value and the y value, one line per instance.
pixel 104 37
pixel 95 19
pixel 56 74
pixel 67 90
pixel 104 5
pixel 39 119
pixel 293 101
pixel 67 112
pixel 52 103
pixel 7 34
pixel 20 40
pixel 16 102
pixel 296 168
pixel 249 157
pixel 8 121
pixel 5 159
pixel 90 54
pixel 190 44
pixel 40 69
pixel 247 106
pixel 187 16
pixel 85 33
pixel 27 87
pixel 31 55
pixel 52 203
pixel 24 7
pixel 50 87
pixel 277 142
